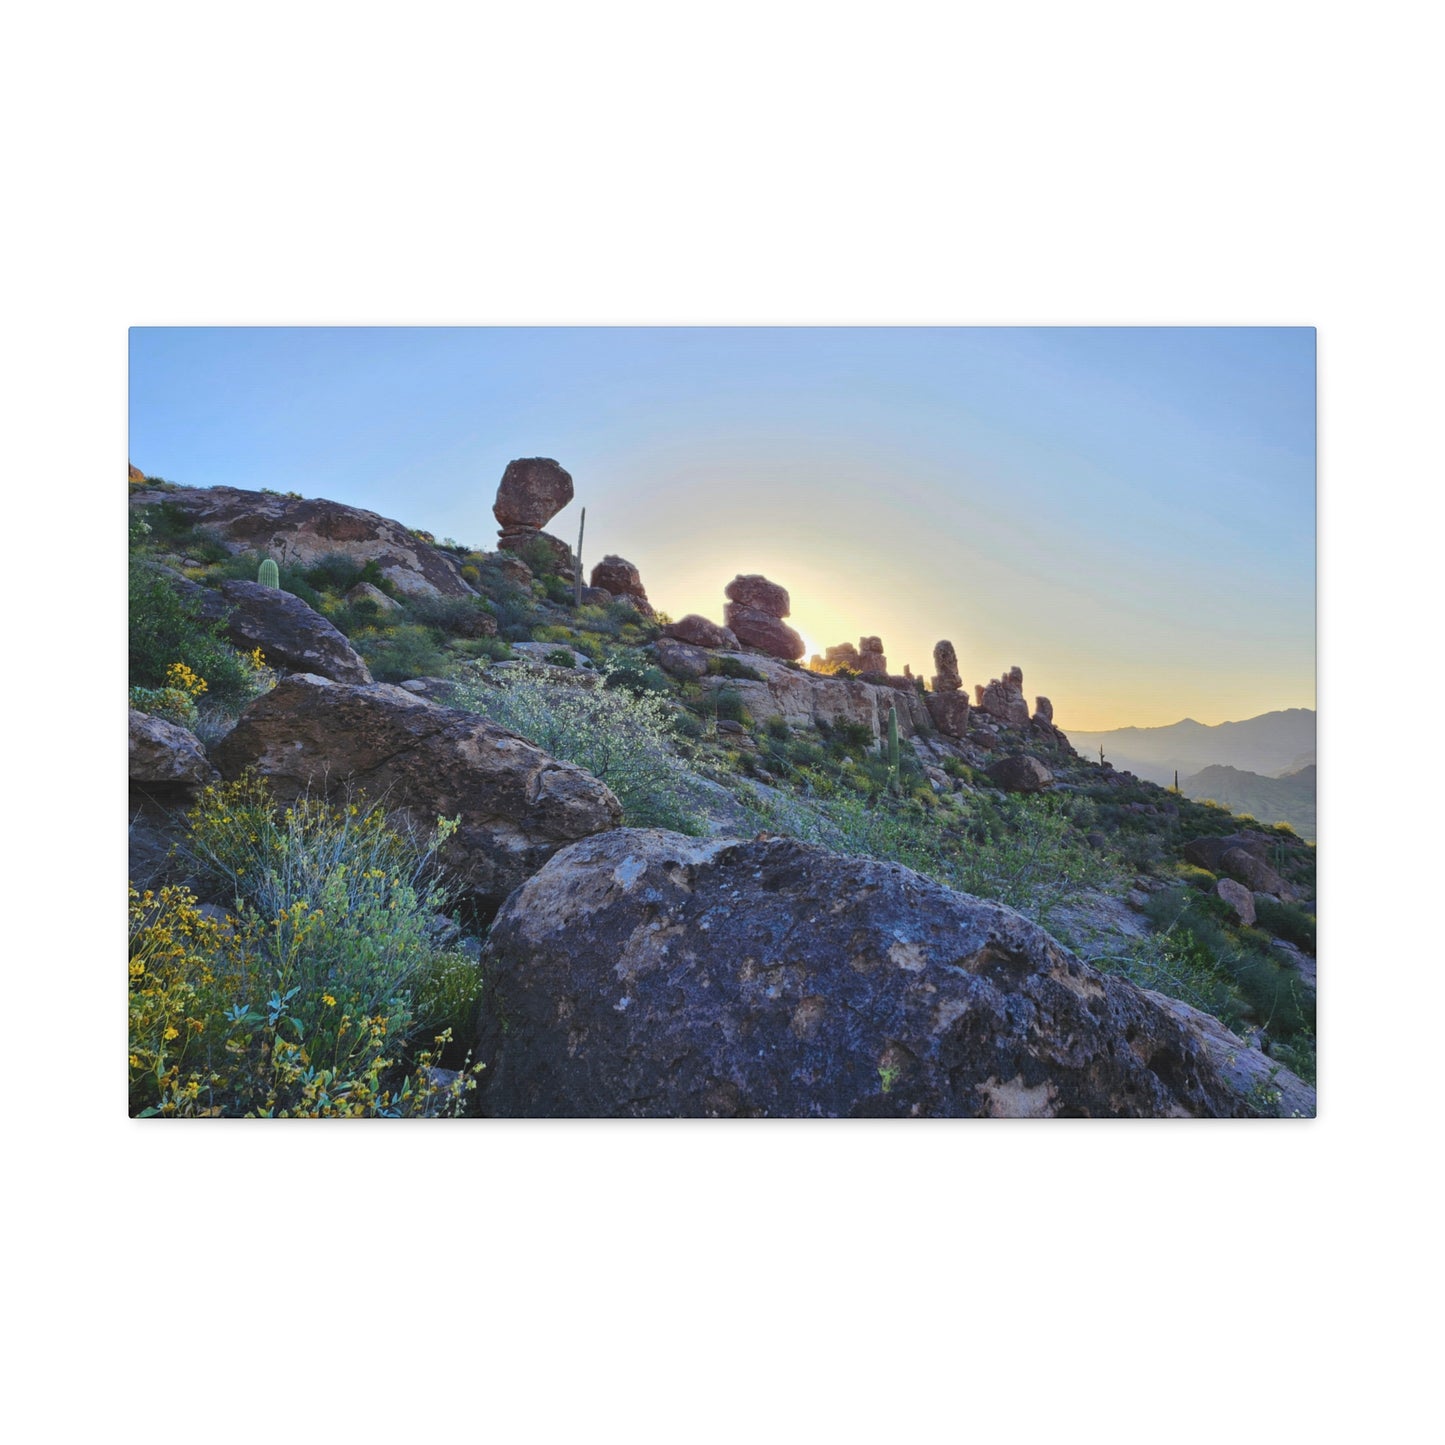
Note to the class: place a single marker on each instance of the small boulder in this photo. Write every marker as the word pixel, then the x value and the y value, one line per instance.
pixel 1239 898
pixel 619 577
pixel 366 592
pixel 699 632
pixel 533 490
pixel 163 752
pixel 596 597
pixel 1022 773
pixel 757 593
pixel 515 570
pixel 681 659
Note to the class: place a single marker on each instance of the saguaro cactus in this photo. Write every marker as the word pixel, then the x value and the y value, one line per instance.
pixel 893 767
pixel 577 590
pixel 269 574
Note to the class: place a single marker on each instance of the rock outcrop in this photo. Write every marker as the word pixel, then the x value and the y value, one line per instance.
pixel 699 632
pixel 1043 711
pixel 294 637
pixel 946 676
pixel 948 712
pixel 163 752
pixel 641 973
pixel 301 531
pixel 532 491
pixel 517 805
pixel 619 577
pixel 871 661
pixel 1003 699
pixel 137 477
pixel 812 699
pixel 1022 773
pixel 754 613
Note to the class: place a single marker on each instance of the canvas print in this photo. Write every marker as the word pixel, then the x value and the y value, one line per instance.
pixel 722 722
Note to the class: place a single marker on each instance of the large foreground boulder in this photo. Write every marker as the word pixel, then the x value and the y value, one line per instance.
pixel 303 530
pixel 641 973
pixel 516 803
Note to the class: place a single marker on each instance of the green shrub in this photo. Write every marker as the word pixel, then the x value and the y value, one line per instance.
pixel 167 628
pixel 336 572
pixel 401 653
pixel 632 672
pixel 1288 921
pixel 727 704
pixel 448 616
pixel 623 738
pixel 318 993
pixel 561 657
pixel 731 667
pixel 173 704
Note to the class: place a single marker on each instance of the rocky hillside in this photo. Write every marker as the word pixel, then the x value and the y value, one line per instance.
pixel 1289 798
pixel 428 828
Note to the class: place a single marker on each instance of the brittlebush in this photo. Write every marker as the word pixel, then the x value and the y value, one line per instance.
pixel 309 993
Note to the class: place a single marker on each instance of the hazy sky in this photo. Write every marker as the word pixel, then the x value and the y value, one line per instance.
pixel 1128 514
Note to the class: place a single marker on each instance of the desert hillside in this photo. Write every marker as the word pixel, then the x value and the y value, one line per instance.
pixel 422 827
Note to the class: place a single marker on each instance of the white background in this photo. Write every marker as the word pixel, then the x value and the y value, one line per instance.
pixel 776 163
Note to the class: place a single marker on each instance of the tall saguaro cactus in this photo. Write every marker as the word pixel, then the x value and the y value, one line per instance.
pixel 893 767
pixel 577 588
pixel 269 574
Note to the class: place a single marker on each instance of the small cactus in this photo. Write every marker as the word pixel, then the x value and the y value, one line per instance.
pixel 269 574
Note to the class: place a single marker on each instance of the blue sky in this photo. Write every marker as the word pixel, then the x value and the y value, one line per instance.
pixel 1126 513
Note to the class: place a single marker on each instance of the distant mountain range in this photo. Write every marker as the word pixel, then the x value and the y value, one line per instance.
pixel 1264 765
